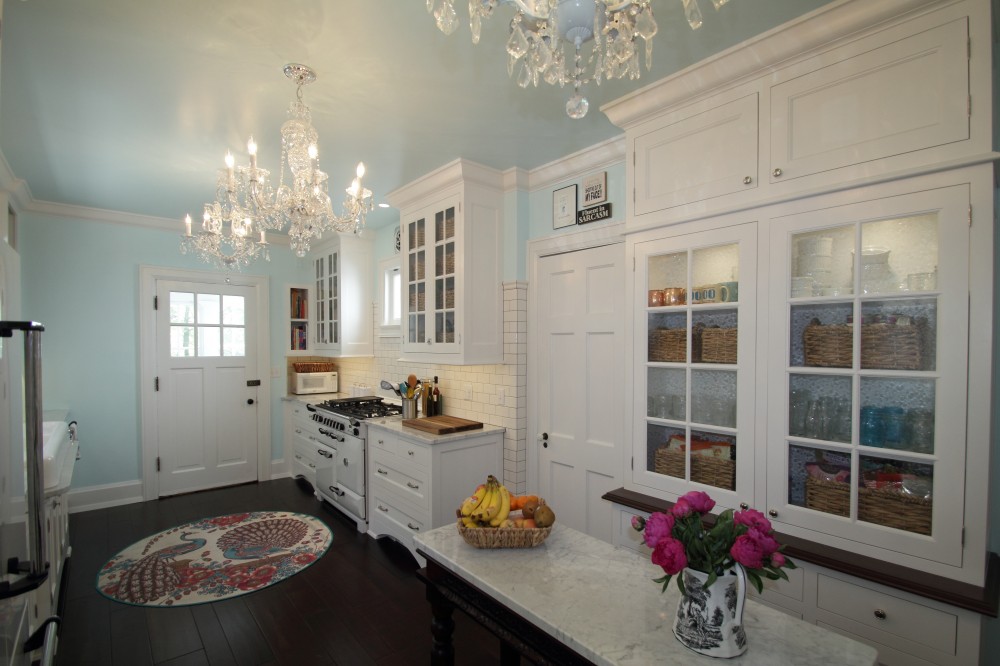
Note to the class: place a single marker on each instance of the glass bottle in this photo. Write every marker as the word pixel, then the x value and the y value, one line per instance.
pixel 872 428
pixel 892 419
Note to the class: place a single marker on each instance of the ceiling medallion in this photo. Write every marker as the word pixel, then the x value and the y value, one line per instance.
pixel 246 206
pixel 543 30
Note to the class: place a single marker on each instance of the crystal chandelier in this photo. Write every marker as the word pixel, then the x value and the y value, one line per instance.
pixel 543 30
pixel 246 205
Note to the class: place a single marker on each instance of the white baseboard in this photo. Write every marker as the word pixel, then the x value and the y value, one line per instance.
pixel 90 498
pixel 279 469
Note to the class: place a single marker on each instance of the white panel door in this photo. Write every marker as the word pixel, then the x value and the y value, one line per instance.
pixel 580 330
pixel 206 414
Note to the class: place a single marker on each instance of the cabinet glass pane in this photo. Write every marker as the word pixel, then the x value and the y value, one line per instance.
pixel 444 327
pixel 668 337
pixel 715 274
pixel 713 398
pixel 666 450
pixel 714 336
pixel 819 479
pixel 899 334
pixel 899 252
pixel 713 459
pixel 416 266
pixel 819 407
pixel 897 413
pixel 665 393
pixel 821 335
pixel 823 263
pixel 896 493
pixel 667 279
pixel 444 224
pixel 415 234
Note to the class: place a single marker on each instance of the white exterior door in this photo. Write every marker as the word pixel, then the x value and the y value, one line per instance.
pixel 581 315
pixel 206 412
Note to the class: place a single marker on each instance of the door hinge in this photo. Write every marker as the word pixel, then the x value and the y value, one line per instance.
pixel 633 264
pixel 156 383
pixel 968 48
pixel 963 536
pixel 970 215
pixel 968 106
pixel 631 463
pixel 157 463
pixel 156 302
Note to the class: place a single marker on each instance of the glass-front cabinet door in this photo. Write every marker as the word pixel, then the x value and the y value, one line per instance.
pixel 693 364
pixel 866 392
pixel 327 298
pixel 431 269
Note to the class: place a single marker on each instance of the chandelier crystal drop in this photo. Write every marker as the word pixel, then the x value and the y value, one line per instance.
pixel 246 205
pixel 543 30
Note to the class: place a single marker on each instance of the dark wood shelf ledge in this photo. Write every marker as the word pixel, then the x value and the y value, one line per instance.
pixel 984 600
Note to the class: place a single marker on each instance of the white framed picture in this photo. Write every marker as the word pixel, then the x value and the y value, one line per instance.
pixel 595 189
pixel 564 207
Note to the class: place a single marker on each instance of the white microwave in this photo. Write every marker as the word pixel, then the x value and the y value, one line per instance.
pixel 314 382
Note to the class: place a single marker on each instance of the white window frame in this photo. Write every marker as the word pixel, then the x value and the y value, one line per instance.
pixel 389 327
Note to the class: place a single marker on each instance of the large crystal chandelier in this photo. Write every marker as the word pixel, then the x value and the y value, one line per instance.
pixel 246 206
pixel 543 30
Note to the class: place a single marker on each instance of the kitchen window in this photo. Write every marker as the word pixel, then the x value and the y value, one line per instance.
pixel 391 289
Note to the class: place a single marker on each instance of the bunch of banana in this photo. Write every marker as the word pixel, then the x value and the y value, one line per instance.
pixel 488 506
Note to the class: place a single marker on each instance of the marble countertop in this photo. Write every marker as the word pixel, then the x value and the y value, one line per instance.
pixel 602 602
pixel 394 424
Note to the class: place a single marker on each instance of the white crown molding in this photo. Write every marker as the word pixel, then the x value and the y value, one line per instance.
pixel 454 173
pixel 515 179
pixel 593 158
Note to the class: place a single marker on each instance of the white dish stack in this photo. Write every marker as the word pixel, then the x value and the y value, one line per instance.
pixel 812 265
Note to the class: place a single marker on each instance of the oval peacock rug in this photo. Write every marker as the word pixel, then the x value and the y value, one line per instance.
pixel 214 558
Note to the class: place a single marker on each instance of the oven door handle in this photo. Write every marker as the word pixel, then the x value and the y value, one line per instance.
pixel 330 433
pixel 336 491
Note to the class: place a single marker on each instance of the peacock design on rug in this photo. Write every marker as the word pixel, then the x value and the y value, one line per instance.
pixel 260 539
pixel 156 573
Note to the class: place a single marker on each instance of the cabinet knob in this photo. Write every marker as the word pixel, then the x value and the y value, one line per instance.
pixel 409 453
pixel 383 509
pixel 880 614
pixel 380 442
pixel 415 528
pixel 772 513
pixel 410 484
pixel 381 471
pixel 747 180
pixel 744 506
pixel 429 341
pixel 776 173
pixel 312 465
pixel 298 431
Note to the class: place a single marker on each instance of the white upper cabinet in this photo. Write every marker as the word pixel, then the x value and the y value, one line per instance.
pixel 851 93
pixel 698 153
pixel 452 252
pixel 341 296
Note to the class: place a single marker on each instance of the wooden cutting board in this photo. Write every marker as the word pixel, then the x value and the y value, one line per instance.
pixel 442 425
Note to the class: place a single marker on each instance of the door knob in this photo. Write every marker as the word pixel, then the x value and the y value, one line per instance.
pixel 545 440
pixel 249 401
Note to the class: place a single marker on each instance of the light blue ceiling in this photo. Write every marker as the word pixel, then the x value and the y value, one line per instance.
pixel 130 105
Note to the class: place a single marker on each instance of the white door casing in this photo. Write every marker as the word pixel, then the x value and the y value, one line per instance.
pixel 575 371
pixel 199 423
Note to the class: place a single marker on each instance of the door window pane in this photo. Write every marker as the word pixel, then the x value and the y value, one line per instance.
pixel 181 307
pixel 209 341
pixel 233 309
pixel 208 309
pixel 233 341
pixel 182 341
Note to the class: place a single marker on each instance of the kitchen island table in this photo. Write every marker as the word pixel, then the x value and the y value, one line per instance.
pixel 576 599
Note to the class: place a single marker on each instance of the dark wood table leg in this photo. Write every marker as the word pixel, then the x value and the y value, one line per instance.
pixel 442 628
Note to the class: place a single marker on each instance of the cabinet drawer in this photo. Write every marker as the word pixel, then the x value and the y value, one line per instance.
pixel 418 454
pixel 402 478
pixel 789 589
pixel 306 451
pixel 396 517
pixel 914 623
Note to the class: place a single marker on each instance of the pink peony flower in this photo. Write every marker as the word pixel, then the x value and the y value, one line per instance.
pixel 669 554
pixel 658 528
pixel 681 508
pixel 765 542
pixel 777 560
pixel 747 551
pixel 753 519
pixel 699 501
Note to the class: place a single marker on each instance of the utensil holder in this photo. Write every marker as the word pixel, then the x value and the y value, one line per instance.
pixel 409 408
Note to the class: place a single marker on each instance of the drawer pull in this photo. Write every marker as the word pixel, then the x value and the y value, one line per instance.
pixel 382 471
pixel 380 442
pixel 880 614
pixel 312 465
pixel 772 513
pixel 336 491
pixel 383 509
pixel 415 528
pixel 410 452
pixel 298 431
pixel 298 457
pixel 744 506
pixel 777 172
pixel 410 484
pixel 747 180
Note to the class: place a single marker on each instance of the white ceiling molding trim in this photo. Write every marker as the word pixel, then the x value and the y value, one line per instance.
pixel 516 178
pixel 20 195
pixel 594 158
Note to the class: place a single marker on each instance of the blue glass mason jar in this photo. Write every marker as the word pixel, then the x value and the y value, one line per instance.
pixel 893 419
pixel 872 427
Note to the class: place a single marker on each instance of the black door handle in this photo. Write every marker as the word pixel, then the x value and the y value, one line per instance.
pixel 249 401
pixel 545 440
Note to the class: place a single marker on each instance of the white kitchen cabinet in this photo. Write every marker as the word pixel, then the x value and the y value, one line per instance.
pixel 451 222
pixel 417 480
pixel 300 443
pixel 850 93
pixel 699 152
pixel 694 344
pixel 341 298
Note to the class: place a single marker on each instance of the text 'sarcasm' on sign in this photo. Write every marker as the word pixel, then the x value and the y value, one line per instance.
pixel 601 212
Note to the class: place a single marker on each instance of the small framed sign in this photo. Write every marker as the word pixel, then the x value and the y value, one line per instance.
pixel 594 213
pixel 595 189
pixel 564 207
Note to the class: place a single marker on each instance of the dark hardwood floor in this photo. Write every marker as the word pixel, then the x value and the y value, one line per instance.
pixel 359 604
